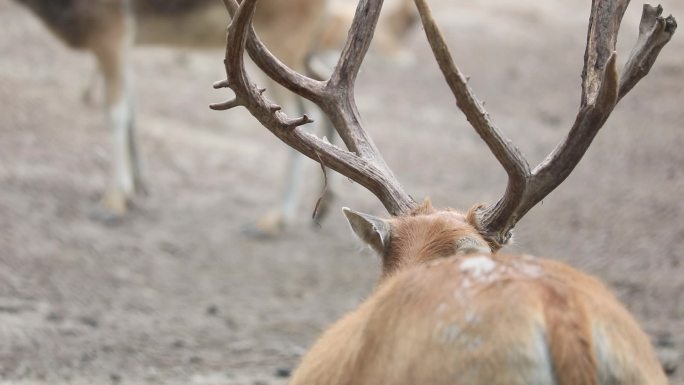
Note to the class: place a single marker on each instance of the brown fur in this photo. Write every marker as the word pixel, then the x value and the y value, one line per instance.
pixel 78 22
pixel 396 21
pixel 425 235
pixel 196 23
pixel 170 7
pixel 570 337
pixel 440 318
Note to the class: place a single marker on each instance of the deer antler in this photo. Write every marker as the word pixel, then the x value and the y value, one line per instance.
pixel 363 162
pixel 270 64
pixel 601 90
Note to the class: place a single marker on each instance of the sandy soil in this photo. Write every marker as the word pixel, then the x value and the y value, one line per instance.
pixel 175 294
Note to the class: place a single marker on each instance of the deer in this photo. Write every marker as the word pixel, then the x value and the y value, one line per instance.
pixel 449 307
pixel 109 30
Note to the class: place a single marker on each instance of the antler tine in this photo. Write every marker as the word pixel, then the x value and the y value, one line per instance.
pixel 339 105
pixel 292 80
pixel 337 102
pixel 654 32
pixel 601 90
pixel 365 19
pixel 365 166
pixel 504 150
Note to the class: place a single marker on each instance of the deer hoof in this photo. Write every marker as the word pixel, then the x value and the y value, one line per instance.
pixel 115 202
pixel 270 226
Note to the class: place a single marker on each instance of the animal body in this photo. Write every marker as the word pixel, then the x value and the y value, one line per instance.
pixel 292 29
pixel 448 308
pixel 109 29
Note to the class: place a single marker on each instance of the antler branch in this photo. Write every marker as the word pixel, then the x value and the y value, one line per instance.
pixel 363 163
pixel 601 90
pixel 654 32
pixel 354 51
pixel 274 68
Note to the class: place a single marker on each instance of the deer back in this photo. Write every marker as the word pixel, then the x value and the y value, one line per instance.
pixel 79 22
pixel 484 319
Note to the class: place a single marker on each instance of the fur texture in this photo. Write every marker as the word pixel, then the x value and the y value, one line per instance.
pixel 440 318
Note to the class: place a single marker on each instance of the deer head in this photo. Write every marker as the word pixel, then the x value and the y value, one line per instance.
pixel 423 235
pixel 443 232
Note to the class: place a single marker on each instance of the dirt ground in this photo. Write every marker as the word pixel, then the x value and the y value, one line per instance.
pixel 174 293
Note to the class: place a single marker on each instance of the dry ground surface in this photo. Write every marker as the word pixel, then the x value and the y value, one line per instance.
pixel 175 294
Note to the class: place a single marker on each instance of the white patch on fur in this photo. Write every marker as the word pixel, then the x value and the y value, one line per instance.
pixel 479 268
pixel 454 334
pixel 541 373
pixel 471 317
pixel 601 359
pixel 605 361
pixel 459 296
pixel 451 333
pixel 530 270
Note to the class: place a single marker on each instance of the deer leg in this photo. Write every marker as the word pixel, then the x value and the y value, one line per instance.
pixel 273 223
pixel 139 186
pixel 292 192
pixel 111 55
pixel 276 220
pixel 90 87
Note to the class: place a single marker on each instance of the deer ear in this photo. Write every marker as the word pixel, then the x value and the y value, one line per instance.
pixel 470 245
pixel 374 231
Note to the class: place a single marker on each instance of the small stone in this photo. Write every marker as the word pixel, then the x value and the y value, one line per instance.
pixel 283 372
pixel 90 321
pixel 212 310
pixel 54 317
pixel 230 323
pixel 670 360
pixel 115 377
pixel 195 360
pixel 665 340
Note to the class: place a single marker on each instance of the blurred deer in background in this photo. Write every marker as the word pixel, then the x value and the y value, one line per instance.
pixel 109 29
pixel 394 24
pixel 448 309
